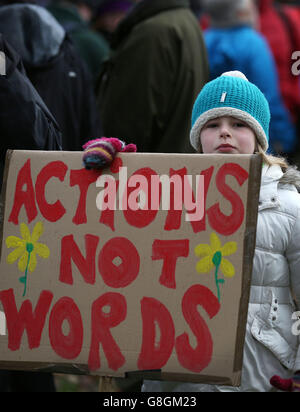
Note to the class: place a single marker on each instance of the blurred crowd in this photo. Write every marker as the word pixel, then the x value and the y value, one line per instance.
pixel 82 69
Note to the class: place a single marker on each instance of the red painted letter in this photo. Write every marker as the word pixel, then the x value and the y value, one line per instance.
pixel 70 251
pixel 24 198
pixel 173 221
pixel 119 275
pixel 169 251
pixel 154 355
pixel 51 212
pixel 200 226
pixel 17 322
pixel 108 216
pixel 227 225
pixel 141 218
pixel 102 322
pixel 67 346
pixel 83 178
pixel 199 358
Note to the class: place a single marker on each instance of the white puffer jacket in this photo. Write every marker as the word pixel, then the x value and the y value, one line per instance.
pixel 276 271
pixel 270 346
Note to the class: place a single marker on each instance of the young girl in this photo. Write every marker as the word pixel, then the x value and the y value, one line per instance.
pixel 231 116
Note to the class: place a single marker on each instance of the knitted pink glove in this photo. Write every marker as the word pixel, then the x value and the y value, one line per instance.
pixel 100 153
pixel 286 385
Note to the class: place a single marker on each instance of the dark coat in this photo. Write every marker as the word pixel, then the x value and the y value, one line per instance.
pixel 70 98
pixel 55 69
pixel 157 67
pixel 25 124
pixel 25 121
pixel 92 46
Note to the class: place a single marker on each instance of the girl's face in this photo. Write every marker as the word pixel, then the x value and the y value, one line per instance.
pixel 227 135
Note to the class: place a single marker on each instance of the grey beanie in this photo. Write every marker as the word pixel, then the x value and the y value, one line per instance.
pixel 223 13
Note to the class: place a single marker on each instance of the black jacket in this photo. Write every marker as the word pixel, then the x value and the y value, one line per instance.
pixel 55 69
pixel 25 121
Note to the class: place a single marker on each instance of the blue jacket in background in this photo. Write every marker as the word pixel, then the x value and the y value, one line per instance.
pixel 242 48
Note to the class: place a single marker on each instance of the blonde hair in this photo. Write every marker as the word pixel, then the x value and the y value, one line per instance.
pixel 271 160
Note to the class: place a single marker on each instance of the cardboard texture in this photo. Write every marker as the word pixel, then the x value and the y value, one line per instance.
pixel 110 292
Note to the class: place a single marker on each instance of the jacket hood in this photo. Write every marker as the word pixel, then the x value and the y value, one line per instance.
pixel 274 173
pixel 291 177
pixel 32 31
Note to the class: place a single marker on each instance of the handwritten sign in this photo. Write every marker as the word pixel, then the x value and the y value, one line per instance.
pixel 143 266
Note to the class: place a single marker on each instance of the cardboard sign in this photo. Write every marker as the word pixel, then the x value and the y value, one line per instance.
pixel 145 266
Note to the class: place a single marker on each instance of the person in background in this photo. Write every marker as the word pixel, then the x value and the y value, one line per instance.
pixel 25 121
pixel 157 66
pixel 234 44
pixel 146 90
pixel 55 69
pixel 75 17
pixel 25 124
pixel 109 14
pixel 279 24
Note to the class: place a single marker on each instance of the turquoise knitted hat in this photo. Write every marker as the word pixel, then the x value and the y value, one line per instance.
pixel 232 95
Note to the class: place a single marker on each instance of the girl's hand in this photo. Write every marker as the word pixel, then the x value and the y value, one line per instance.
pixel 286 385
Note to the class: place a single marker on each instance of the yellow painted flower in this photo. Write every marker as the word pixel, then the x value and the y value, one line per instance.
pixel 209 251
pixel 26 249
pixel 213 256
